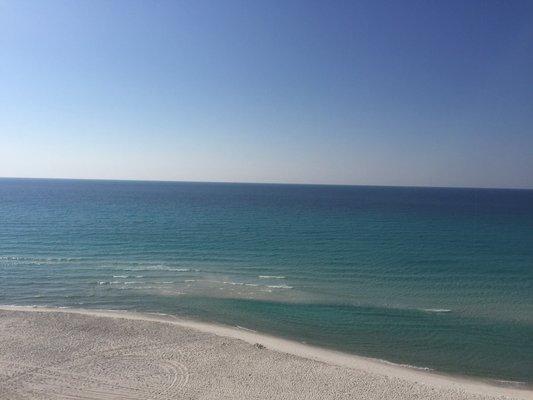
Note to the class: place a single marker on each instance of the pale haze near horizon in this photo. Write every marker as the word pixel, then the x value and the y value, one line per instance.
pixel 382 93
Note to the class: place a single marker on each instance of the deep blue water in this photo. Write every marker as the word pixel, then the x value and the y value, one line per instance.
pixel 430 277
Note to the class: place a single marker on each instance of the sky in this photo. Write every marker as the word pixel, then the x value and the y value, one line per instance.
pixel 416 93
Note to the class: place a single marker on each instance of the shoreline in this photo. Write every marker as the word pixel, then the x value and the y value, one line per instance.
pixel 384 368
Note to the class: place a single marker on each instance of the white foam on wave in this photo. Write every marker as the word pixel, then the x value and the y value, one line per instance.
pixel 237 283
pixel 279 286
pixel 245 329
pixel 437 310
pixel 405 365
pixel 271 277
pixel 505 382
pixel 176 269
pixel 40 260
pixel 159 267
pixel 149 287
pixel 115 310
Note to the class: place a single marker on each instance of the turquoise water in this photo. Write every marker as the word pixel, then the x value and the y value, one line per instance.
pixel 433 278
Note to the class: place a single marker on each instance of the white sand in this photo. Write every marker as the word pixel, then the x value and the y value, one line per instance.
pixel 82 354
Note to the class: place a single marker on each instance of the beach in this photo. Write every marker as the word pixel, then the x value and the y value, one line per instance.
pixel 434 278
pixel 256 200
pixel 48 353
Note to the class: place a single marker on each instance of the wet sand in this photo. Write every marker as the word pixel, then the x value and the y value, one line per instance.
pixel 84 354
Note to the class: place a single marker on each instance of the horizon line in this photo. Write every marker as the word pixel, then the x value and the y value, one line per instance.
pixel 266 183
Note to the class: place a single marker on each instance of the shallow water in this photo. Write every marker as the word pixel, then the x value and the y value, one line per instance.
pixel 435 278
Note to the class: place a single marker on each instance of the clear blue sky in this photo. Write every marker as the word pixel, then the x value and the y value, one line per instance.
pixel 435 93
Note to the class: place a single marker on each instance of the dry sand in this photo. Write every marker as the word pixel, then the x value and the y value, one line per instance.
pixel 82 354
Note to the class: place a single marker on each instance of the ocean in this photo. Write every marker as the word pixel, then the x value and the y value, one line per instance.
pixel 433 278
